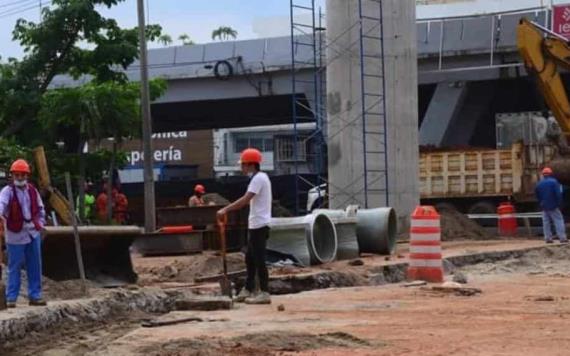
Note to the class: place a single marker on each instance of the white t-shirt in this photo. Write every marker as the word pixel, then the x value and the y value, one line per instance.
pixel 260 205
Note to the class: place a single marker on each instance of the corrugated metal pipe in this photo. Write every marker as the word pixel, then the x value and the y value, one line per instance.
pixel 310 239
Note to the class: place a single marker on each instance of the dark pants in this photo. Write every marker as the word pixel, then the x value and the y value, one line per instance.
pixel 255 259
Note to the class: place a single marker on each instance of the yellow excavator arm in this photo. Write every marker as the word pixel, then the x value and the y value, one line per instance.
pixel 544 53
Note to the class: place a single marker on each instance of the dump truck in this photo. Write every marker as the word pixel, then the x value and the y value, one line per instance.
pixel 475 180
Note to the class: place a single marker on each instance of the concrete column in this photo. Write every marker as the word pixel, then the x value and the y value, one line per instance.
pixel 345 131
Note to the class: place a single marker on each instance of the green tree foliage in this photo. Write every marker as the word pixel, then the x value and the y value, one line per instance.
pixel 90 114
pixel 224 33
pixel 186 40
pixel 72 38
pixel 95 111
pixel 165 40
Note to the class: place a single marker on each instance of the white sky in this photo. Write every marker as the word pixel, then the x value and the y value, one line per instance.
pixel 252 18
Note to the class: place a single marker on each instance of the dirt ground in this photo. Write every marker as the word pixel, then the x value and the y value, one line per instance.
pixel 457 226
pixel 183 269
pixel 516 314
pixel 524 308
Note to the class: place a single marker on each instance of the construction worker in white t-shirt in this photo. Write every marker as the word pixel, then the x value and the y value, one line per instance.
pixel 259 199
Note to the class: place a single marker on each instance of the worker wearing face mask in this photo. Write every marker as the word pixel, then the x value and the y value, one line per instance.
pixel 23 212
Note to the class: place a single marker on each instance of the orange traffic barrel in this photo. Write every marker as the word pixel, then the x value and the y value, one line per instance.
pixel 426 261
pixel 507 219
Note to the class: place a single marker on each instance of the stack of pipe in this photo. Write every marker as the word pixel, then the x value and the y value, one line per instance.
pixel 327 235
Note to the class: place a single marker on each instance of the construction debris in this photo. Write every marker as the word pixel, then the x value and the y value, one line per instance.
pixel 458 291
pixel 357 262
pixel 415 284
pixel 459 277
pixel 204 303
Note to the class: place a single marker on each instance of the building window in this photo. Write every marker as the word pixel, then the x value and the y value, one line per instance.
pixel 262 144
pixel 241 144
pixel 285 149
pixel 256 143
pixel 268 145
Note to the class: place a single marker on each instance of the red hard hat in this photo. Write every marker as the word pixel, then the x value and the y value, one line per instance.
pixel 251 155
pixel 199 188
pixel 20 166
pixel 547 171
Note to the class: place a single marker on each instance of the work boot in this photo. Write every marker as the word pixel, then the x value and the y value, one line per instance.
pixel 260 298
pixel 565 241
pixel 10 304
pixel 243 295
pixel 549 241
pixel 38 302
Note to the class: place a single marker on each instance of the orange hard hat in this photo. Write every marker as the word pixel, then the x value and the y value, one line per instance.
pixel 20 166
pixel 250 155
pixel 199 188
pixel 547 171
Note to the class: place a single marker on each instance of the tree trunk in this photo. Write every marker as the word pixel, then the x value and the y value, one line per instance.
pixel 81 183
pixel 110 183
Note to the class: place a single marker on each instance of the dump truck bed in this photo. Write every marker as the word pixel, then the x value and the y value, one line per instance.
pixel 476 173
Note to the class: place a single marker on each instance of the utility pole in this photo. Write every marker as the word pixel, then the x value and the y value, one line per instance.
pixel 149 199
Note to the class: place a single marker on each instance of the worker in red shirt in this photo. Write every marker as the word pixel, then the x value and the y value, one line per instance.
pixel 101 204
pixel 198 198
pixel 121 207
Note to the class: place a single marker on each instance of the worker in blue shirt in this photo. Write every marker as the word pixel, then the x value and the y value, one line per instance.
pixel 549 195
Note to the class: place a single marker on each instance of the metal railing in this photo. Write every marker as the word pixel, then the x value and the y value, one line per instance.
pixel 501 37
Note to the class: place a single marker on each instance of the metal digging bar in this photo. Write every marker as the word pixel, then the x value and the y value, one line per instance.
pixel 310 239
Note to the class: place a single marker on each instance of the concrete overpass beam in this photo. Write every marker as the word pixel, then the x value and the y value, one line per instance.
pixel 442 111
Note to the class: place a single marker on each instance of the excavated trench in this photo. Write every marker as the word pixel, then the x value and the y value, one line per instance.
pixel 78 327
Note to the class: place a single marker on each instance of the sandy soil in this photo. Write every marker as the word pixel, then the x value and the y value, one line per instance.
pixel 184 269
pixel 520 311
pixel 524 309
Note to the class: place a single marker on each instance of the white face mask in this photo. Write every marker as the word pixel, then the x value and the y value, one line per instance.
pixel 20 183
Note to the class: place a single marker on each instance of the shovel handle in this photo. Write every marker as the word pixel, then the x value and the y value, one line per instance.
pixel 222 221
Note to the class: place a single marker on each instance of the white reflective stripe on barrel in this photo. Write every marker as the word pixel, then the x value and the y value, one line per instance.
pixel 425 249
pixel 425 223
pixel 418 236
pixel 426 263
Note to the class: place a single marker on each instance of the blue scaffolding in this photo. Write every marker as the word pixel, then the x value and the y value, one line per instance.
pixel 373 100
pixel 308 45
pixel 308 78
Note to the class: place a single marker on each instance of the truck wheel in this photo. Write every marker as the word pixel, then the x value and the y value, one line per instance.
pixel 484 207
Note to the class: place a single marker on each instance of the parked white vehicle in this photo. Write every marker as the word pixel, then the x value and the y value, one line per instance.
pixel 317 198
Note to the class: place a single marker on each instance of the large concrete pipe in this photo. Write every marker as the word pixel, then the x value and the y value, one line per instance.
pixel 376 230
pixel 310 239
pixel 345 223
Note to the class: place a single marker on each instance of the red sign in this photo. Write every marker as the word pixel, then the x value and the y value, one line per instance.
pixel 561 20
